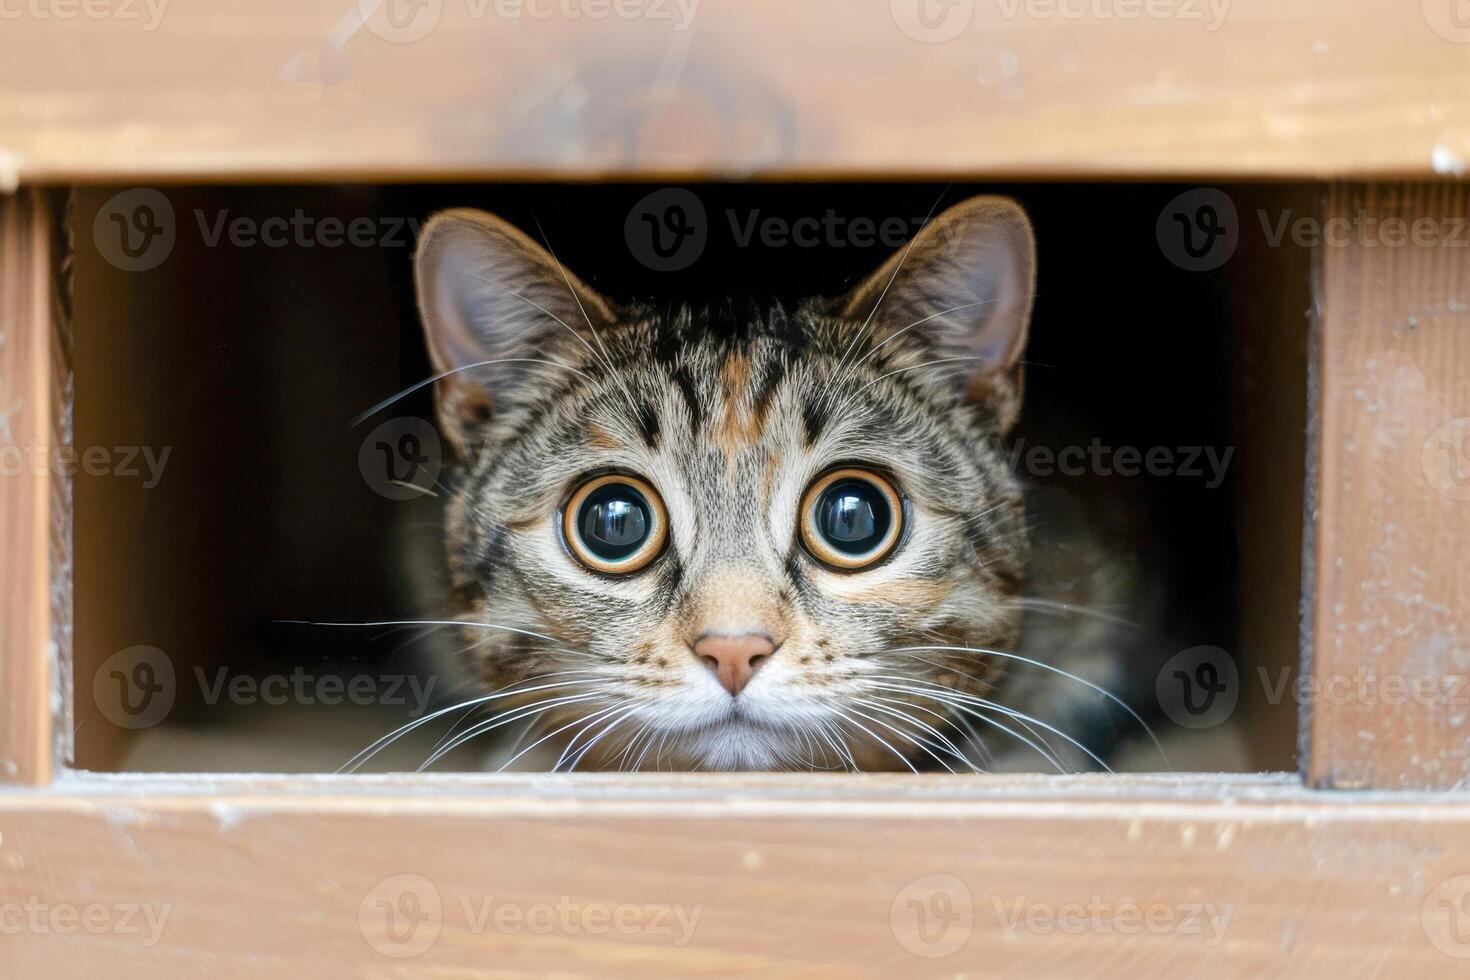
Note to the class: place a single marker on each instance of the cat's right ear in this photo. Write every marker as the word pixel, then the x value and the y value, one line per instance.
pixel 964 284
pixel 498 310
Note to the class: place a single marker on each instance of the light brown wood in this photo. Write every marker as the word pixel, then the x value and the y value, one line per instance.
pixel 277 88
pixel 801 875
pixel 1390 660
pixel 26 436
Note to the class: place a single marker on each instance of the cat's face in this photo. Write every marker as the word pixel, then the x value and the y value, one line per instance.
pixel 730 529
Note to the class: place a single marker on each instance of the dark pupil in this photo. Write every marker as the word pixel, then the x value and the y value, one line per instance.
pixel 614 521
pixel 853 516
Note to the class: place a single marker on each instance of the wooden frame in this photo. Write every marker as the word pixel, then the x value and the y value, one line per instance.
pixel 1015 88
pixel 881 874
pixel 792 873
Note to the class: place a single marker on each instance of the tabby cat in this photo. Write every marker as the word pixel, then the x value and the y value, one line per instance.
pixel 735 538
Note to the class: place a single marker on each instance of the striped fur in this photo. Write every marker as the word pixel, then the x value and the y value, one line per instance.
pixel 731 412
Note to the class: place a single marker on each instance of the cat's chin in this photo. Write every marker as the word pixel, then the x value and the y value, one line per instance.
pixel 750 743
pixel 740 743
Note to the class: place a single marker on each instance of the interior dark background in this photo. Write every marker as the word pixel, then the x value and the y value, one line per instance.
pixel 250 363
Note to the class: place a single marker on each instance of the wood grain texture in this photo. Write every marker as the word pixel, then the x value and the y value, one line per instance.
pixel 1390 661
pixel 279 88
pixel 26 433
pixel 801 876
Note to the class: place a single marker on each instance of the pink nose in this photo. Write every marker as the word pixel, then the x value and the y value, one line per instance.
pixel 734 659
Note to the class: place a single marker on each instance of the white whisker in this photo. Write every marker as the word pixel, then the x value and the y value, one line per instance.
pixel 955 698
pixel 897 268
pixel 1006 655
pixel 877 738
pixel 427 622
pixel 359 419
pixel 915 367
pixel 505 692
pixel 1067 608
pixel 607 358
pixel 846 375
pixel 597 738
pixel 505 718
pixel 943 742
pixel 1045 753
pixel 589 719
pixel 948 744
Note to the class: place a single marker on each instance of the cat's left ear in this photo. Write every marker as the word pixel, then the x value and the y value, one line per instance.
pixel 499 313
pixel 964 284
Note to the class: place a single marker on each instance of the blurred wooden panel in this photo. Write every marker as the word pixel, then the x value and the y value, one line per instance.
pixel 1390 659
pixel 146 89
pixel 26 442
pixel 811 876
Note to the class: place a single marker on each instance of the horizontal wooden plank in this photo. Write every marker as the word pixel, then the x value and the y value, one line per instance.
pixel 147 89
pixel 709 875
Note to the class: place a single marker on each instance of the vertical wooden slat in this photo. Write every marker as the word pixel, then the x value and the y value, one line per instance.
pixel 1389 692
pixel 26 436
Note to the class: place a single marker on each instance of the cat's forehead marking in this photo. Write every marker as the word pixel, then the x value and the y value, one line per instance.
pixel 740 425
pixel 599 436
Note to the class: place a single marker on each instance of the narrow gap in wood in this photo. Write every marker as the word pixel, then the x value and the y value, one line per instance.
pixel 63 396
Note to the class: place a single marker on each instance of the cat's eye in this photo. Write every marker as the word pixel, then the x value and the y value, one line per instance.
pixel 615 524
pixel 851 518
